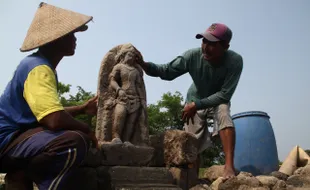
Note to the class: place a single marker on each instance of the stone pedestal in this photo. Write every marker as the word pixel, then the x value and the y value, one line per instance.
pixel 119 155
pixel 122 177
pixel 135 177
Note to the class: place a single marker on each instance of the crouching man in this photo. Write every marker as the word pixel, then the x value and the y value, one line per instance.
pixel 40 141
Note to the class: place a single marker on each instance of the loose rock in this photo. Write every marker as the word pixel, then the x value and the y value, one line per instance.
pixel 280 185
pixel 279 175
pixel 215 185
pixel 214 172
pixel 268 181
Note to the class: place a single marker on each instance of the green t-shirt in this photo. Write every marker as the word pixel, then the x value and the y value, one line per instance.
pixel 212 85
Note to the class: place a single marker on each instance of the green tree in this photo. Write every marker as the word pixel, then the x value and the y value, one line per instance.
pixel 166 113
pixel 74 100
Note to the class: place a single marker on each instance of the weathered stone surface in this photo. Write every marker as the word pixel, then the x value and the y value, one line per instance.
pixel 248 179
pixel 122 114
pixel 174 147
pixel 180 147
pixel 185 178
pixel 303 171
pixel 298 171
pixel 279 175
pixel 280 185
pixel 268 181
pixel 126 155
pixel 83 178
pixel 299 181
pixel 246 187
pixel 157 142
pixel 118 175
pixel 215 185
pixel 214 172
pixel 243 178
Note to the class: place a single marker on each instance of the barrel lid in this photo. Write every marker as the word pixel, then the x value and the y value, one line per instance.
pixel 250 113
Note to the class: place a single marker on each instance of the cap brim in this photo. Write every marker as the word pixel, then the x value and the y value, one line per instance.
pixel 208 36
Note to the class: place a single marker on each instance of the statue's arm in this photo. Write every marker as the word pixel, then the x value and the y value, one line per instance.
pixel 115 78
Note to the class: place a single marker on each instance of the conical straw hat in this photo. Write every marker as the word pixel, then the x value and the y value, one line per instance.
pixel 51 23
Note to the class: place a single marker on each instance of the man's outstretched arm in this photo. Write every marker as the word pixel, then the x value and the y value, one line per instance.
pixel 171 70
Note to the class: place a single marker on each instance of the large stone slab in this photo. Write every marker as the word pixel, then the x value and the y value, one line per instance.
pixel 174 148
pixel 126 155
pixel 119 155
pixel 117 176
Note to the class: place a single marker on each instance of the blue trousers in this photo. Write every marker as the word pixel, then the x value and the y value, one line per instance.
pixel 47 157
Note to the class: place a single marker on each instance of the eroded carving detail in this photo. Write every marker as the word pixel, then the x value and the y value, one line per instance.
pixel 122 115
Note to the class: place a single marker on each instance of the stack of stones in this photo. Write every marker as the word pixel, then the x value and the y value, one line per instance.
pixel 299 180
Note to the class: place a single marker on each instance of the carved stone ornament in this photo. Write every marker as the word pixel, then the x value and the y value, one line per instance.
pixel 122 108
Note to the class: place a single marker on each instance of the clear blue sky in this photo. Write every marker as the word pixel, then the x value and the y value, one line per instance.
pixel 272 36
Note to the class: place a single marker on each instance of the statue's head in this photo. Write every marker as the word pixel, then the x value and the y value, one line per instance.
pixel 128 54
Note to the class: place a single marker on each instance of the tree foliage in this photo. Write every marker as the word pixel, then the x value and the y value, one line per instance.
pixel 74 100
pixel 166 113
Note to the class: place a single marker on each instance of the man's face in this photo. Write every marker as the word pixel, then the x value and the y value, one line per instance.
pixel 212 51
pixel 66 45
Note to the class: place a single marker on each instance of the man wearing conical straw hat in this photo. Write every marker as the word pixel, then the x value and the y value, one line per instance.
pixel 39 138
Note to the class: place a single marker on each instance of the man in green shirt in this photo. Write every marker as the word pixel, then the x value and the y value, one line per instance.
pixel 215 72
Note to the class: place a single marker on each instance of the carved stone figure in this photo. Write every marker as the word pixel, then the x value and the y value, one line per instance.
pixel 122 98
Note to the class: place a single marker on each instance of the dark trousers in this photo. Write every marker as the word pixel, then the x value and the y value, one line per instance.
pixel 46 157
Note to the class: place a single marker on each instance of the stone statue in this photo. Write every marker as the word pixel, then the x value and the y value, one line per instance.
pixel 122 106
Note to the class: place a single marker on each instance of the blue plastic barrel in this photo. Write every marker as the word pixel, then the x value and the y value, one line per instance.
pixel 256 150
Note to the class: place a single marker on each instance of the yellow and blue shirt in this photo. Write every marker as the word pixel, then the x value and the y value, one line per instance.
pixel 29 97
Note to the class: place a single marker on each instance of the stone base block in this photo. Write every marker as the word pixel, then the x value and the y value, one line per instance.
pixel 119 176
pixel 126 155
pixel 174 148
pixel 185 178
pixel 119 155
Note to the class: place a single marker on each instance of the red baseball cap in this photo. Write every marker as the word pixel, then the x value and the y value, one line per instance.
pixel 216 32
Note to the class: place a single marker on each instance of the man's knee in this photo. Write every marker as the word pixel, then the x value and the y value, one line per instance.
pixel 223 117
pixel 78 140
pixel 73 140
